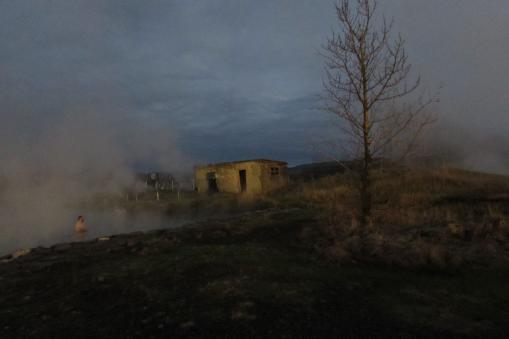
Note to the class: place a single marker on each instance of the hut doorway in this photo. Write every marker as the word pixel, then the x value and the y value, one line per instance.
pixel 243 181
pixel 212 182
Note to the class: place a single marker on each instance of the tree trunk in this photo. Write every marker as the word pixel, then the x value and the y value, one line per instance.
pixel 366 74
pixel 365 194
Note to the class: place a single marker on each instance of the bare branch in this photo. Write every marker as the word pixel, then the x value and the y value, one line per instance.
pixel 367 75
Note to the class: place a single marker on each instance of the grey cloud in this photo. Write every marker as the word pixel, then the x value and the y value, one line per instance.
pixel 227 69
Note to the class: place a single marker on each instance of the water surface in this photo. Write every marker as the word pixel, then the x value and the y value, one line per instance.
pixel 27 231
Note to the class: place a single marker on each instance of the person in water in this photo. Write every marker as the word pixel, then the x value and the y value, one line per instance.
pixel 80 227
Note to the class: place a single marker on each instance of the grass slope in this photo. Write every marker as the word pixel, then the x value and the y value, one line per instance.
pixel 252 276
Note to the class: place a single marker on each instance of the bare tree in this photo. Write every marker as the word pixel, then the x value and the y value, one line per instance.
pixel 367 75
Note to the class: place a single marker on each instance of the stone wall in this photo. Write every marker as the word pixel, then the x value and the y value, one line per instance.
pixel 261 176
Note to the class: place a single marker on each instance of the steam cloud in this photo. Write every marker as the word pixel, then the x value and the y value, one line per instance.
pixel 46 174
pixel 71 125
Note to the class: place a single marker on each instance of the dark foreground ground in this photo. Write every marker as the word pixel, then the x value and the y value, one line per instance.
pixel 247 277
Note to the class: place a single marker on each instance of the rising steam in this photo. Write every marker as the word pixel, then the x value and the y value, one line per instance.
pixel 46 175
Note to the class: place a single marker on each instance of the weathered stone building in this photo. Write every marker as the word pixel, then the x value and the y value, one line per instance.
pixel 249 176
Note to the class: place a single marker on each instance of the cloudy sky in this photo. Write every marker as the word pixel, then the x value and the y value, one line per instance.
pixel 227 79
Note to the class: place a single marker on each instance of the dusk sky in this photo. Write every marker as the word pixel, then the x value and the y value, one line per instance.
pixel 231 79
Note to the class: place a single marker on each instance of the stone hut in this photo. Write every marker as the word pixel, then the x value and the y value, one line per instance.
pixel 249 176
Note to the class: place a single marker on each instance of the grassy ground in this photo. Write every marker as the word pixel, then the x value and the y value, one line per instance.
pixel 247 277
pixel 296 270
pixel 444 216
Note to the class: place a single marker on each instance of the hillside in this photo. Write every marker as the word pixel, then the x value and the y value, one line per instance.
pixel 435 264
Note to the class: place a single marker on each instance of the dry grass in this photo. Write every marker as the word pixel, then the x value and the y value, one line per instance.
pixel 437 217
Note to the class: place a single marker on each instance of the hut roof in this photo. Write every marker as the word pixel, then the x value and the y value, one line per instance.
pixel 243 161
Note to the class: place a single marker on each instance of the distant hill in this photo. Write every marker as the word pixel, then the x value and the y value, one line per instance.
pixel 322 169
pixel 317 170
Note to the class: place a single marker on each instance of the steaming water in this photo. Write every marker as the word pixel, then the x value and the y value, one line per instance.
pixel 23 232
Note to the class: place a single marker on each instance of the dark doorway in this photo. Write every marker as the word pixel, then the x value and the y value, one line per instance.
pixel 243 182
pixel 211 178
